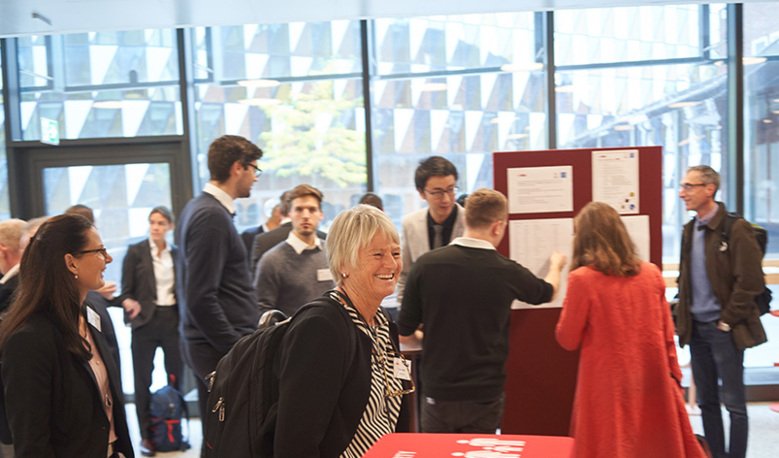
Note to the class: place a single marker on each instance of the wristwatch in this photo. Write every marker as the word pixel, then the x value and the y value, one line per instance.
pixel 722 326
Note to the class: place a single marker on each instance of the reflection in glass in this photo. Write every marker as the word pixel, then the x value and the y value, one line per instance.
pixel 100 84
pixel 761 119
pixel 590 36
pixel 311 131
pixel 680 107
pixel 498 106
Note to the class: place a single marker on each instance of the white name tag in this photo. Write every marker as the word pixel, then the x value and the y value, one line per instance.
pixel 401 368
pixel 94 319
pixel 324 275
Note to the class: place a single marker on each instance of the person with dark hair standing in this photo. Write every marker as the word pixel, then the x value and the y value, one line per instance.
pixel 435 226
pixel 719 278
pixel 295 272
pixel 216 298
pixel 63 396
pixel 462 294
pixel 101 298
pixel 629 400
pixel 149 300
pixel 372 199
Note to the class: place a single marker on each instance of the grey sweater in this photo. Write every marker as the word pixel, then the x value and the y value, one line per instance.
pixel 287 280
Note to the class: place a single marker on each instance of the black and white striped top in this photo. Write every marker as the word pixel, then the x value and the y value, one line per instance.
pixel 381 412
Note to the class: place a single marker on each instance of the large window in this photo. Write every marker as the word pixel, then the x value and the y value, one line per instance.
pixel 761 118
pixel 457 86
pixel 293 89
pixel 629 99
pixel 100 84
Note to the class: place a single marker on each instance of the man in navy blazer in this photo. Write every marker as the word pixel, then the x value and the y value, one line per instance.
pixel 216 298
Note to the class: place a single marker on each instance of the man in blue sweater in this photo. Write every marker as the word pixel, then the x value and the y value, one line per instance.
pixel 216 298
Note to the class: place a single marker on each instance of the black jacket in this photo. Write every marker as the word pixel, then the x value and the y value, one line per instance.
pixel 138 281
pixel 53 404
pixel 322 394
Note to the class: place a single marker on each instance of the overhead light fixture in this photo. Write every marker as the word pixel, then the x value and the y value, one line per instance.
pixel 434 87
pixel 258 83
pixel 768 121
pixel 565 89
pixel 260 102
pixel 690 103
pixel 623 127
pixel 107 104
pixel 522 67
pixel 752 60
pixel 775 112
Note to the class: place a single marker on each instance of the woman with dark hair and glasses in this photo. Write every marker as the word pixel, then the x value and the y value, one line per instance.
pixel 61 384
pixel 342 377
pixel 628 400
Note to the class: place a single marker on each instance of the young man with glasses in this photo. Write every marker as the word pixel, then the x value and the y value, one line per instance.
pixel 216 298
pixel 716 314
pixel 435 226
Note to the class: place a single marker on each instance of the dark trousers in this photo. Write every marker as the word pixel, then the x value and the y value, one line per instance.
pixel 161 331
pixel 481 417
pixel 714 357
pixel 202 358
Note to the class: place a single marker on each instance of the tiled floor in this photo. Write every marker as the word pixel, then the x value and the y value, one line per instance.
pixel 763 432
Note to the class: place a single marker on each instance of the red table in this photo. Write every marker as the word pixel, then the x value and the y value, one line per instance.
pixel 421 445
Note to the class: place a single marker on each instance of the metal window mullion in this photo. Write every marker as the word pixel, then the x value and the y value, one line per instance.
pixel 366 61
pixel 734 162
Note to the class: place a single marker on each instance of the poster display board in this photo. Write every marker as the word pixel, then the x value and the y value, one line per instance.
pixel 546 189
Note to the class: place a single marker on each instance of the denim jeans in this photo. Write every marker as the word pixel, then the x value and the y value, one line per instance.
pixel 714 358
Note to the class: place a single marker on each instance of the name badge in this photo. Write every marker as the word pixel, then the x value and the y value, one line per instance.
pixel 324 275
pixel 94 319
pixel 401 368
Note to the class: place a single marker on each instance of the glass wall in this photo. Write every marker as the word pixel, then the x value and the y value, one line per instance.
pixel 761 118
pixel 100 84
pixel 458 86
pixel 632 99
pixel 296 91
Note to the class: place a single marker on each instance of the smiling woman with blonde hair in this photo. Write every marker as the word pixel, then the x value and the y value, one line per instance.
pixel 63 396
pixel 628 400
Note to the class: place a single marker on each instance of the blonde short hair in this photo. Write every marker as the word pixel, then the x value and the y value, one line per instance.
pixel 352 230
pixel 11 231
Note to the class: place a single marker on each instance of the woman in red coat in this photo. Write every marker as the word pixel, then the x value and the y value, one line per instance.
pixel 628 395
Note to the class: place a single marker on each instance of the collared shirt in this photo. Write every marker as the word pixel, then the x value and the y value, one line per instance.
pixel 300 246
pixel 10 274
pixel 705 305
pixel 97 364
pixel 470 242
pixel 164 274
pixel 446 230
pixel 225 199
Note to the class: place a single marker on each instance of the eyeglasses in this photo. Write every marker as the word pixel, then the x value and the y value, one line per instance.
pixel 440 193
pixel 690 186
pixel 257 170
pixel 395 356
pixel 102 251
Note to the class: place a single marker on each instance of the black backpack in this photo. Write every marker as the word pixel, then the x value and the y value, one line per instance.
pixel 763 300
pixel 244 391
pixel 167 409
